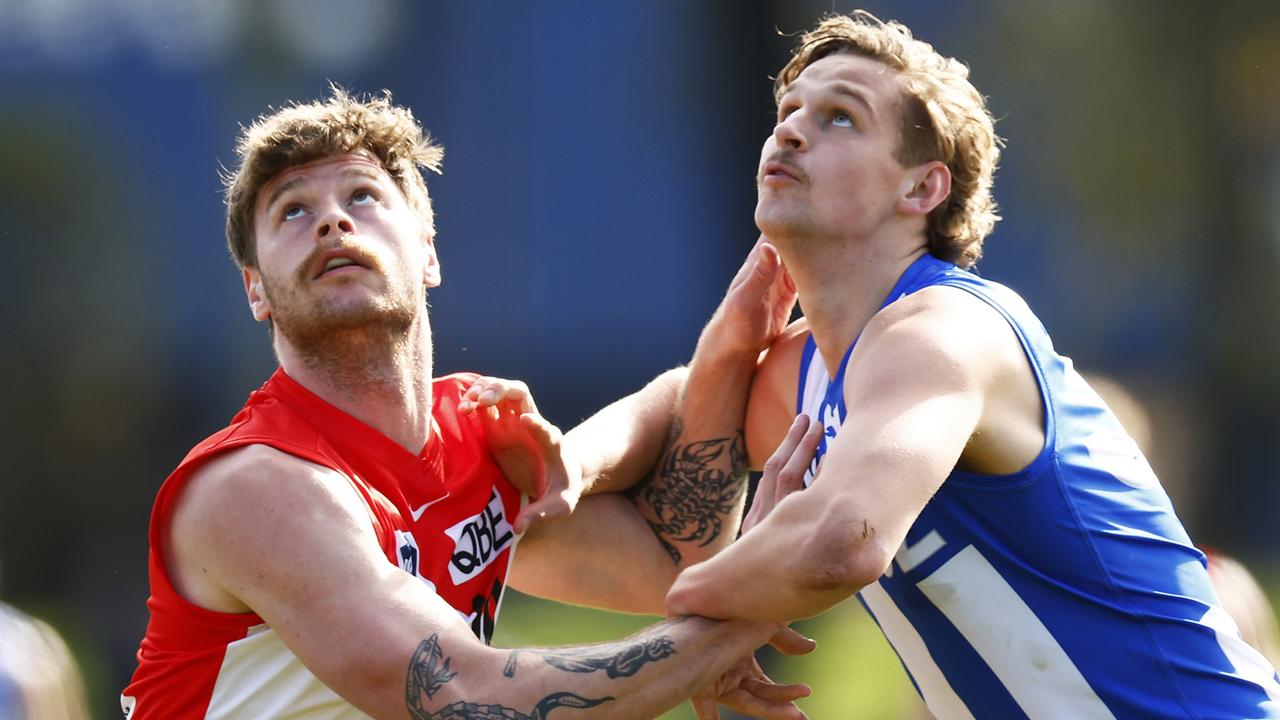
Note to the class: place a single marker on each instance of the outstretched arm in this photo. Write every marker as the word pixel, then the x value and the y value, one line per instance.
pixel 693 497
pixel 382 638
pixel 915 388
pixel 691 501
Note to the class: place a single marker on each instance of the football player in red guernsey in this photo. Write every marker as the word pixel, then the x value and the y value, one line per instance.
pixel 341 547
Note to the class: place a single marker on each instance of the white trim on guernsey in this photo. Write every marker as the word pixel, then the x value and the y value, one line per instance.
pixel 938 694
pixel 1009 637
pixel 1248 662
pixel 261 678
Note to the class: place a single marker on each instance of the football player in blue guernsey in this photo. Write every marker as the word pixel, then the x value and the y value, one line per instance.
pixel 993 516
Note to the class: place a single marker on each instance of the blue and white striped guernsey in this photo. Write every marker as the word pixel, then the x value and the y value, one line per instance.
pixel 1067 590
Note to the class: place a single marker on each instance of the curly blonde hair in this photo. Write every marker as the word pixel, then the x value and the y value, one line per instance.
pixel 944 118
pixel 304 132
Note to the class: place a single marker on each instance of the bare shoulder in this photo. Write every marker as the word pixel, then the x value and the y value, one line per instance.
pixel 235 511
pixel 771 406
pixel 945 341
pixel 947 326
pixel 258 479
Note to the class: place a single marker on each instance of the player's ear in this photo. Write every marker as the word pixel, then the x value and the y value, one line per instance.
pixel 256 295
pixel 924 188
pixel 431 270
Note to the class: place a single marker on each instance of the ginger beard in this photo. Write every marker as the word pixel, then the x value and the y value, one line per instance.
pixel 325 318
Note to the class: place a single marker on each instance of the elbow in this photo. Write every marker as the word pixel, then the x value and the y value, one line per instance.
pixel 844 555
pixel 843 574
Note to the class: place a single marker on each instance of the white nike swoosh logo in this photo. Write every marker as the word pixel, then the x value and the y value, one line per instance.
pixel 417 513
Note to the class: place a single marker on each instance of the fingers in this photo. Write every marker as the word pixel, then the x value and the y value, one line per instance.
pixel 742 701
pixel 791 441
pixel 550 506
pixel 491 391
pixel 706 709
pixel 546 435
pixel 784 470
pixel 777 462
pixel 791 477
pixel 757 274
pixel 756 695
pixel 748 264
pixel 790 642
pixel 557 498
pixel 775 693
pixel 785 296
pixel 745 689
pixel 552 503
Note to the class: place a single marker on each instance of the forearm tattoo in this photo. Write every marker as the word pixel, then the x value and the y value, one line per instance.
pixel 429 669
pixel 462 710
pixel 620 659
pixel 694 488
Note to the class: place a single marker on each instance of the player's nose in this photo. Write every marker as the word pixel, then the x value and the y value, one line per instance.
pixel 334 222
pixel 789 131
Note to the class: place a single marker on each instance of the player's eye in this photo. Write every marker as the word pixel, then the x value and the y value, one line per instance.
pixel 842 119
pixel 292 212
pixel 363 197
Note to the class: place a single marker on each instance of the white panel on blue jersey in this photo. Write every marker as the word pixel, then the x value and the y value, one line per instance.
pixel 1014 643
pixel 1248 662
pixel 934 688
pixel 910 556
pixel 813 403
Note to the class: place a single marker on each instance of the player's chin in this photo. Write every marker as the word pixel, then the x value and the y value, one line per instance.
pixel 777 219
pixel 362 292
pixel 362 310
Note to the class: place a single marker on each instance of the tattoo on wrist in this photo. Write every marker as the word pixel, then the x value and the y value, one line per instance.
pixel 510 669
pixel 463 710
pixel 617 660
pixel 429 669
pixel 695 487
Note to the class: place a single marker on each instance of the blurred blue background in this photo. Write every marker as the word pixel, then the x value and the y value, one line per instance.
pixel 597 197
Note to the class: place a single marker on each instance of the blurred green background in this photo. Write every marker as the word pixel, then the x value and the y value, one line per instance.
pixel 597 198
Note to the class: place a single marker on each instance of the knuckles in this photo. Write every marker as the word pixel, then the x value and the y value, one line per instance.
pixel 773 467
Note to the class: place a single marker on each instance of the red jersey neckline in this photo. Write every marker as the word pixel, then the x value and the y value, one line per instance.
pixel 352 437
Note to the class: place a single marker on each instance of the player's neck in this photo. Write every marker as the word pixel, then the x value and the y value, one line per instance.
pixel 842 284
pixel 383 382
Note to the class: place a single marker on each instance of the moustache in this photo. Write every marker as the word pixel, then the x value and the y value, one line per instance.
pixel 310 265
pixel 785 160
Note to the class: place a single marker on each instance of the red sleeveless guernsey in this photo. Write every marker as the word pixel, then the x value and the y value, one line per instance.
pixel 444 515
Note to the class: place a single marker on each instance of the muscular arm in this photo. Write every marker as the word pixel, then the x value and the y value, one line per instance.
pixel 916 390
pixel 691 501
pixel 622 551
pixel 693 498
pixel 257 529
pixel 697 411
pixel 603 555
